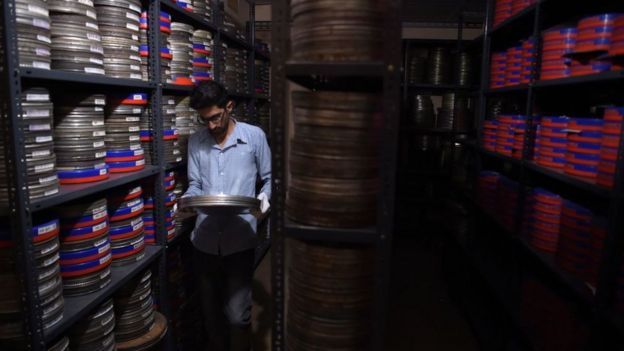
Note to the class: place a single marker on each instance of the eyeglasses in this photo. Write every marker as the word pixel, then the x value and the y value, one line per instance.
pixel 214 119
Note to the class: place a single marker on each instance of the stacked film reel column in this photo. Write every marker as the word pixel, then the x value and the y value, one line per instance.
pixel 339 240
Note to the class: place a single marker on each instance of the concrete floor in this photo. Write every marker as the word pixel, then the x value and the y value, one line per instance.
pixel 421 316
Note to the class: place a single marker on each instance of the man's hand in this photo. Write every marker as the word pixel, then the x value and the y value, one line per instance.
pixel 187 210
pixel 264 207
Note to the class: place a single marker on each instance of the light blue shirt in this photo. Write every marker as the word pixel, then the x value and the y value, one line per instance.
pixel 233 170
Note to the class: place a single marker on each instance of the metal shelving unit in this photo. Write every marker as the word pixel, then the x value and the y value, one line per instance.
pixel 422 170
pixel 384 77
pixel 595 303
pixel 81 78
pixel 78 307
pixel 21 209
pixel 77 191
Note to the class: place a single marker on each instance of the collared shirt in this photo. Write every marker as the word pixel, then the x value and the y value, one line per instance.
pixel 232 170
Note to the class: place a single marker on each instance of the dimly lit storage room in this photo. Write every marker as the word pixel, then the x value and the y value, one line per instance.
pixel 311 175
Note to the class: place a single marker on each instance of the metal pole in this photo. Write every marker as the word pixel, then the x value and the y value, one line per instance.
pixel 158 150
pixel 386 203
pixel 279 89
pixel 19 202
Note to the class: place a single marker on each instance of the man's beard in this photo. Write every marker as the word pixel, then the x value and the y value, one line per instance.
pixel 217 132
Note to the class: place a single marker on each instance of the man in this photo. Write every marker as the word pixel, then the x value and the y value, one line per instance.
pixel 226 157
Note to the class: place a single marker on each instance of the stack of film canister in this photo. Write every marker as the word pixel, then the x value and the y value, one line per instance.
pixel 262 77
pixel 235 73
pixel 611 135
pixel 322 195
pixel 182 50
pixel 593 41
pixel 76 40
pixel 594 33
pixel 232 27
pixel 438 66
pixel 513 66
pixel 221 63
pixel 33 33
pixel 79 138
pixel 170 134
pixel 502 11
pixel 616 49
pixel 166 54
pixel 184 4
pixel 228 25
pixel 96 331
pixel 463 69
pixel 446 113
pixel 202 56
pixel 487 187
pixel 576 251
pixel 557 42
pixel 125 211
pixel 326 304
pixel 202 8
pixel 185 118
pixel 44 236
pixel 147 129
pixel 507 195
pixel 528 60
pixel 124 152
pixel 544 209
pixel 498 68
pixel 336 31
pixel 144 45
pixel 490 135
pixel 416 69
pixel 513 71
pixel 36 120
pixel 172 147
pixel 85 247
pixel 423 114
pixel 184 222
pixel 519 5
pixel 149 220
pixel 583 151
pixel 119 27
pixel 551 142
pixel 171 202
pixel 510 135
pixel 134 312
pixel 165 50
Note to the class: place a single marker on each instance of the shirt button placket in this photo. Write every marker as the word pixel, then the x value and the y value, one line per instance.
pixel 221 173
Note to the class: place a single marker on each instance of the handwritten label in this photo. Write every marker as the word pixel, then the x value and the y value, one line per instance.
pixel 37 97
pixel 44 38
pixel 94 70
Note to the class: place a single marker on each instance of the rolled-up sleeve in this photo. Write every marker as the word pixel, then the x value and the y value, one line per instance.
pixel 194 174
pixel 263 163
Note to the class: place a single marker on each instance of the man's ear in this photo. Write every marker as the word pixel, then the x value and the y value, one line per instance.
pixel 229 106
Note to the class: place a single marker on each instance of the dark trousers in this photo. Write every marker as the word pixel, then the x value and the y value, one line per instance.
pixel 225 286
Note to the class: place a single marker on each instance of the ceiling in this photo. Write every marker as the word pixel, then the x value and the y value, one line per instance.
pixel 442 11
pixel 436 11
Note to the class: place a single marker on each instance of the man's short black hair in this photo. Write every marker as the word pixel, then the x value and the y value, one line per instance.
pixel 208 93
